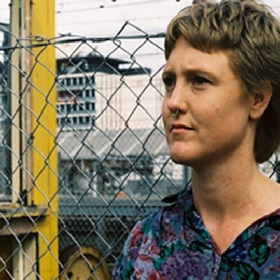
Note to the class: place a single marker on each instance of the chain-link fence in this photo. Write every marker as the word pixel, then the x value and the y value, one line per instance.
pixel 96 128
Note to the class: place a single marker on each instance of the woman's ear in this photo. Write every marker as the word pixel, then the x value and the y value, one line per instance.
pixel 259 100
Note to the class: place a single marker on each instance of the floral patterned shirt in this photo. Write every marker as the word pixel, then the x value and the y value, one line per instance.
pixel 173 243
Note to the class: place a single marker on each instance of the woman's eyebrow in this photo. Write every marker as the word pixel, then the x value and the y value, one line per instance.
pixel 189 72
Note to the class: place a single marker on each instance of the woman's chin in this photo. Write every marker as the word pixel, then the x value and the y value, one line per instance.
pixel 179 157
pixel 184 156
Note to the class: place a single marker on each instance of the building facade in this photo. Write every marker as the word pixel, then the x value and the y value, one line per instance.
pixel 101 94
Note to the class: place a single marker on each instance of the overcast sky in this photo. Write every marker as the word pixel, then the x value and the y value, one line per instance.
pixel 105 17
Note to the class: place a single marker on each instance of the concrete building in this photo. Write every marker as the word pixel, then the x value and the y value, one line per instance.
pixel 99 93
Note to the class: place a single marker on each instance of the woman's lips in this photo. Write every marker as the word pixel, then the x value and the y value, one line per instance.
pixel 177 127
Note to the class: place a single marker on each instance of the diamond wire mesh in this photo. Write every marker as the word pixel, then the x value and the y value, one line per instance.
pixel 113 162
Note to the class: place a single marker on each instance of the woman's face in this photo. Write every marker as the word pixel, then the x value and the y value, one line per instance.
pixel 213 121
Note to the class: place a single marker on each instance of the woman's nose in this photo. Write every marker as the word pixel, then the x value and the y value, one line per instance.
pixel 178 99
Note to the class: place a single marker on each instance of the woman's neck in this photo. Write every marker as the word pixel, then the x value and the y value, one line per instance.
pixel 227 190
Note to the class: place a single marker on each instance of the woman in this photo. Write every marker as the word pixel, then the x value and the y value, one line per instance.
pixel 221 114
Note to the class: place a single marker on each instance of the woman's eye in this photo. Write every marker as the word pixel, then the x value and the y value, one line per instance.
pixel 169 83
pixel 199 81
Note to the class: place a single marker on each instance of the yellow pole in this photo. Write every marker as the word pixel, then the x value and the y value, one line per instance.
pixel 43 127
